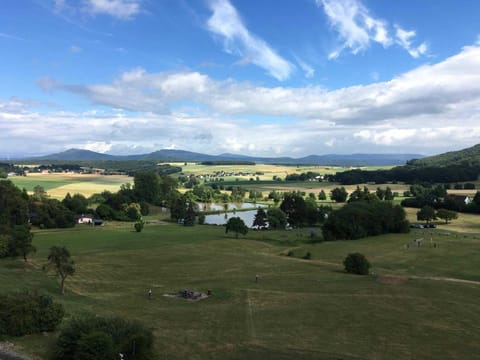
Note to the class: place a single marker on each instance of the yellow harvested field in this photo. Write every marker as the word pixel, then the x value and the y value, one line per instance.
pixel 85 188
pixel 57 185
pixel 466 223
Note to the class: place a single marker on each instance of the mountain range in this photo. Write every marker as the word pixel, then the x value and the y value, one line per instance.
pixel 167 155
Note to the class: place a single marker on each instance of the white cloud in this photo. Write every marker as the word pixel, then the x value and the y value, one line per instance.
pixel 357 29
pixel 355 26
pixel 9 36
pixel 121 9
pixel 74 49
pixel 308 70
pixel 404 39
pixel 226 23
pixel 59 5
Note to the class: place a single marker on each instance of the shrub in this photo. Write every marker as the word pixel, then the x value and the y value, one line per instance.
pixel 356 263
pixel 95 345
pixel 4 245
pixel 28 313
pixel 92 337
pixel 307 256
pixel 139 225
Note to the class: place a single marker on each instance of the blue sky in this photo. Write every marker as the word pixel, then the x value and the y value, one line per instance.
pixel 263 77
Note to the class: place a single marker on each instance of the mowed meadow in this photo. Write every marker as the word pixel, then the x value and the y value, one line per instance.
pixel 418 303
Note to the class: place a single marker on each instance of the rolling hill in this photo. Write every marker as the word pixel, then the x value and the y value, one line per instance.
pixel 167 155
pixel 468 157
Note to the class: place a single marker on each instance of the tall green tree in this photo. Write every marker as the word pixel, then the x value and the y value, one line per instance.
pixel 21 242
pixel 13 207
pixel 147 186
pixel 389 194
pixel 294 206
pixel 77 204
pixel 339 194
pixel 189 215
pixel 426 213
pixel 446 215
pixel 178 209
pixel 276 218
pixel 236 225
pixel 60 261
pixel 322 195
pixel 260 220
pixel 380 193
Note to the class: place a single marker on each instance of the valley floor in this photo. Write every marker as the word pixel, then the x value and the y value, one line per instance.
pixel 418 303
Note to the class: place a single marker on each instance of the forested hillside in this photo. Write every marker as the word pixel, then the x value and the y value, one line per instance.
pixel 467 157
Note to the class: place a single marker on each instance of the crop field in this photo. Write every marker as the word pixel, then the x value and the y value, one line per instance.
pixel 268 170
pixel 57 185
pixel 419 303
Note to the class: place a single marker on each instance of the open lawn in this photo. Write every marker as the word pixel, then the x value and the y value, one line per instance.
pixel 57 185
pixel 422 303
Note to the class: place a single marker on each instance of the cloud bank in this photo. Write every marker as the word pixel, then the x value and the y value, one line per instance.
pixel 430 109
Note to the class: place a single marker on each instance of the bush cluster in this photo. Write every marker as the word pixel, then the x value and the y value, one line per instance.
pixel 103 338
pixel 28 313
pixel 356 263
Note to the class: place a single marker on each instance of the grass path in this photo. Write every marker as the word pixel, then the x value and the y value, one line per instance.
pixel 250 322
pixel 463 281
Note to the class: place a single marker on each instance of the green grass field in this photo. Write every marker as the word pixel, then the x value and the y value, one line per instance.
pixel 418 305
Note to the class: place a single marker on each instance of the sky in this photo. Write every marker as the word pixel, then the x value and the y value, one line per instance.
pixel 253 77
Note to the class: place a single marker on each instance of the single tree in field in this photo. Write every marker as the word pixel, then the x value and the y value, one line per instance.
pixel 236 225
pixel 59 260
pixel 260 220
pixel 389 194
pixel 322 195
pixel 447 215
pixel 189 216
pixel 339 194
pixel 356 263
pixel 426 213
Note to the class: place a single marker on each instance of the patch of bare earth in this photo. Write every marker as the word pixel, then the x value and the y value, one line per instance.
pixel 391 280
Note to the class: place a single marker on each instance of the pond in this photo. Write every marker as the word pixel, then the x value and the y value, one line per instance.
pixel 221 219
pixel 231 206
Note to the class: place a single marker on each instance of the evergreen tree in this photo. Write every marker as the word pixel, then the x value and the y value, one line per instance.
pixel 260 220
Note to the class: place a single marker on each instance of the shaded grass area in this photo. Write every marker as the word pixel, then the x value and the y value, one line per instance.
pixel 298 309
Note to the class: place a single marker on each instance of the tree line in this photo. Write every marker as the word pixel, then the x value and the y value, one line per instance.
pixel 408 174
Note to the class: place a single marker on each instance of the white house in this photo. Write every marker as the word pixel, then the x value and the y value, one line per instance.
pixel 85 219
